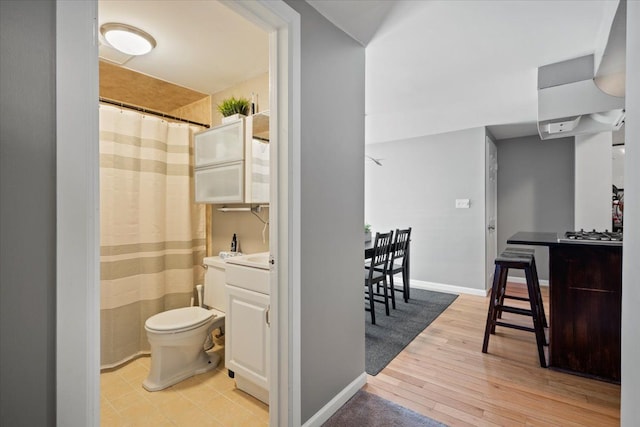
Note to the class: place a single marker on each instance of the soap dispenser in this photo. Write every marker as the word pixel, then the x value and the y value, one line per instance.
pixel 234 243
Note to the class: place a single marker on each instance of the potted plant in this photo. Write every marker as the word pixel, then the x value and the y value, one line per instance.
pixel 232 108
pixel 367 233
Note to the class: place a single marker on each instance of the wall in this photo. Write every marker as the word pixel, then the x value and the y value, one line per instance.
pixel 27 213
pixel 535 190
pixel 417 186
pixel 332 189
pixel 630 410
pixel 258 85
pixel 130 87
pixel 593 179
pixel 197 111
pixel 247 227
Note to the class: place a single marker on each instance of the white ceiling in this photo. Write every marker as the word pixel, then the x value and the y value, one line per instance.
pixel 432 66
pixel 438 66
pixel 201 45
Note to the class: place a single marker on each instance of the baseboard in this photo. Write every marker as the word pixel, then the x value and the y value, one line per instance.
pixel 450 289
pixel 515 279
pixel 336 403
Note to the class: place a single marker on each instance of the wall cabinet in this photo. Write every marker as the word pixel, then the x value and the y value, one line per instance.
pixel 232 163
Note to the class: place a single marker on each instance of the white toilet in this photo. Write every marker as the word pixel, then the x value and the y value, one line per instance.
pixel 177 336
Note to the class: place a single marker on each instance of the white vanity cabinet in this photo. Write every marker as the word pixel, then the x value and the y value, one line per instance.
pixel 232 163
pixel 247 343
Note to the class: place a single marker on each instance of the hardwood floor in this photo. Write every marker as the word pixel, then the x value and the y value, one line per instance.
pixel 444 375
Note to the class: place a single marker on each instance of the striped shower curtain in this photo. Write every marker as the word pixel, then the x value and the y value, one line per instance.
pixel 152 235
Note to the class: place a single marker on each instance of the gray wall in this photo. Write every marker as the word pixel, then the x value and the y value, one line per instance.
pixel 332 187
pixel 630 411
pixel 416 186
pixel 27 213
pixel 535 190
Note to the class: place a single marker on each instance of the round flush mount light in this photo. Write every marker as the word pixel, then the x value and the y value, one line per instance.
pixel 127 39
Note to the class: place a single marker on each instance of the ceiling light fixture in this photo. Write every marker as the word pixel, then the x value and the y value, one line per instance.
pixel 127 39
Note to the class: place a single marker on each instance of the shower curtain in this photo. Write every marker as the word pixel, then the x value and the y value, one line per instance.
pixel 152 234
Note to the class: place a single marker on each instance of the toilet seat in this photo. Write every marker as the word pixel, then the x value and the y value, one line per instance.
pixel 179 320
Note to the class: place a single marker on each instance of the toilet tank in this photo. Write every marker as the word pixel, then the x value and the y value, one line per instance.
pixel 214 282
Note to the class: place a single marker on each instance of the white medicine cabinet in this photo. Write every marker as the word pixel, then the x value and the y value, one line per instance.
pixel 232 162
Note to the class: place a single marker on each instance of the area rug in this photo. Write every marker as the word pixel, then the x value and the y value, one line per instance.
pixel 368 410
pixel 392 333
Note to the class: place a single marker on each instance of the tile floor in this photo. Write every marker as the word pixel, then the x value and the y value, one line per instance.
pixel 208 399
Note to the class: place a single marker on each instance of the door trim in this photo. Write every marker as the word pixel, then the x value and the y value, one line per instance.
pixel 77 222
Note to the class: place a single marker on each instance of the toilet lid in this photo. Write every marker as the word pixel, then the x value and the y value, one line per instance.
pixel 179 318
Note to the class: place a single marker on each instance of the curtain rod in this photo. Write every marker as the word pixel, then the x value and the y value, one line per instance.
pixel 147 111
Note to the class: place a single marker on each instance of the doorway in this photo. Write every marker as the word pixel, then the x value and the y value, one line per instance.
pixel 77 190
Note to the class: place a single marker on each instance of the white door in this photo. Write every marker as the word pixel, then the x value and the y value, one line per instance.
pixel 491 208
pixel 247 335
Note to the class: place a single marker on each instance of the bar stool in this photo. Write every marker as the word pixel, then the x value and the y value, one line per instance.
pixel 534 270
pixel 524 260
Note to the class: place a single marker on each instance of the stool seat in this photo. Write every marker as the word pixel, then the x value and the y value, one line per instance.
pixel 523 259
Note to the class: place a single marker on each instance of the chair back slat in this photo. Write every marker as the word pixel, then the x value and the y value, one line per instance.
pixel 400 243
pixel 381 247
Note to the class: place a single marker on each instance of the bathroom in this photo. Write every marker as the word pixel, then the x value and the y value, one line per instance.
pixel 143 275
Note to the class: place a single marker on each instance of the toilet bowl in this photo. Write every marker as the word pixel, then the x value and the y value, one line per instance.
pixel 177 338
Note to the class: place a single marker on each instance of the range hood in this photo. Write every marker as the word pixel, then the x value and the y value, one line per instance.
pixel 570 103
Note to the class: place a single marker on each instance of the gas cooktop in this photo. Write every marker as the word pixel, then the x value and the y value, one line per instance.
pixel 605 237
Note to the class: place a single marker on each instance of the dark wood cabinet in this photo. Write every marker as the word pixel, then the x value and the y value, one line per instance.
pixel 585 303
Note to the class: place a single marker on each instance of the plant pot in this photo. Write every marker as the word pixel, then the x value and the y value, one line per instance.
pixel 232 118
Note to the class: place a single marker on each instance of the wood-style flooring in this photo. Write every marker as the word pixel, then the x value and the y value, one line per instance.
pixel 444 375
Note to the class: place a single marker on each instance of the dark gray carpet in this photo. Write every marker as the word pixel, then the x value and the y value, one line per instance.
pixel 368 410
pixel 392 333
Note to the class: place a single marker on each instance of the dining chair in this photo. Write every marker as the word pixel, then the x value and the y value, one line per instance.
pixel 398 263
pixel 376 273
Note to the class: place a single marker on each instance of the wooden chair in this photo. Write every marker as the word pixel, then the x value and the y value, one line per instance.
pixel 376 273
pixel 398 260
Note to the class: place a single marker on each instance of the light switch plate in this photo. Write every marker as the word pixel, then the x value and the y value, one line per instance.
pixel 462 203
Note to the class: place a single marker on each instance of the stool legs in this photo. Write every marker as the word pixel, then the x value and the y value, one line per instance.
pixel 535 313
pixel 491 315
pixel 496 303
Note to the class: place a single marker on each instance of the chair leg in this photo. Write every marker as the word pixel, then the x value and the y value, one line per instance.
pixel 405 285
pixel 371 307
pixel 491 313
pixel 393 291
pixel 385 286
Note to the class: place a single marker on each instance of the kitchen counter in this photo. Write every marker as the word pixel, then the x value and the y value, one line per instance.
pixel 533 238
pixel 585 298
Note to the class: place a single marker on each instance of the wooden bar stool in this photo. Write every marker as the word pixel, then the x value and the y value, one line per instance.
pixel 527 251
pixel 524 261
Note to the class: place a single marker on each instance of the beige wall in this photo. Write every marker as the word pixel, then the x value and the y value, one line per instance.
pixel 247 227
pixel 258 85
pixel 198 111
pixel 130 87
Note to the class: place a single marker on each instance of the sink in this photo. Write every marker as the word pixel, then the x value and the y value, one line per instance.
pixel 259 260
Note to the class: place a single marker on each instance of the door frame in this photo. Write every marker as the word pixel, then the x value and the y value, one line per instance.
pixel 491 235
pixel 78 214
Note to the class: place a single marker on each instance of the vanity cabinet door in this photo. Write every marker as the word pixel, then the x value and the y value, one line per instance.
pixel 247 335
